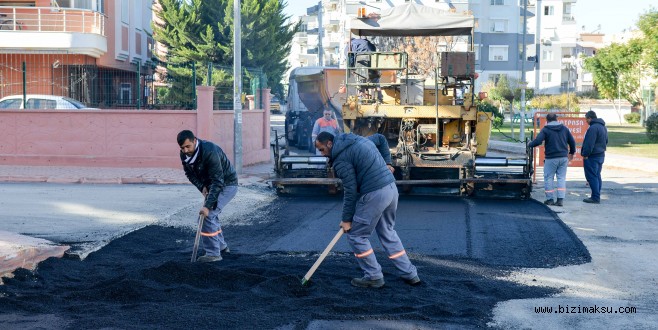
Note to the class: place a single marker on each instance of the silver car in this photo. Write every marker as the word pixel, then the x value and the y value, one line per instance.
pixel 35 101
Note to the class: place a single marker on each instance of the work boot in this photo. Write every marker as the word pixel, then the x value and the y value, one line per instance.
pixel 364 282
pixel 207 258
pixel 225 250
pixel 592 201
pixel 549 202
pixel 412 281
pixel 559 202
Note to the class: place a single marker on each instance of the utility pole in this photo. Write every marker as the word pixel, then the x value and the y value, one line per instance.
pixel 320 33
pixel 538 15
pixel 524 84
pixel 568 87
pixel 237 87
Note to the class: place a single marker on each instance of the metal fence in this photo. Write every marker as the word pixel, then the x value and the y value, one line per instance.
pixel 160 85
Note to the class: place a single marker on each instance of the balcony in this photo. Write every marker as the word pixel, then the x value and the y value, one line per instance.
pixel 77 31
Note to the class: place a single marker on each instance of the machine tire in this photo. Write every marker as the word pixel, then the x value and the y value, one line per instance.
pixel 291 142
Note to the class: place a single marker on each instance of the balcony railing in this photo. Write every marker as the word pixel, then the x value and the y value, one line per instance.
pixel 51 19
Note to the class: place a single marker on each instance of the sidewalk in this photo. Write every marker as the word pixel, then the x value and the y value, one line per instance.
pixel 115 175
pixel 617 161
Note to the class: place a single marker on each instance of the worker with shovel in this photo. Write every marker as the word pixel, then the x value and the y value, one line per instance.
pixel 208 168
pixel 369 204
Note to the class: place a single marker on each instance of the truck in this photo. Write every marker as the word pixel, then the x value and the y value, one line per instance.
pixel 437 135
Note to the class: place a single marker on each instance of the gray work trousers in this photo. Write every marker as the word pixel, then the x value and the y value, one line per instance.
pixel 212 238
pixel 555 167
pixel 375 212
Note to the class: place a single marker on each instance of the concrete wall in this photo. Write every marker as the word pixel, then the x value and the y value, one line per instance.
pixel 125 138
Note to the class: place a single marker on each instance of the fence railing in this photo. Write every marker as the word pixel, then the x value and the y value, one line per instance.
pixel 161 86
pixel 51 19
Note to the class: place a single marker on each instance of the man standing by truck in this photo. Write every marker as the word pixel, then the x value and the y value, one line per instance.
pixel 210 171
pixel 369 204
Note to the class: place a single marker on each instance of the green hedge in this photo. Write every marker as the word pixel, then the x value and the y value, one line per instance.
pixel 632 118
pixel 652 127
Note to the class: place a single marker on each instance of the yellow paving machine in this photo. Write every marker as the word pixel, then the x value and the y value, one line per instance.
pixel 437 136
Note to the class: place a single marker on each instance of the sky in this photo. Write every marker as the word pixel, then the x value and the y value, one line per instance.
pixel 614 16
pixel 611 14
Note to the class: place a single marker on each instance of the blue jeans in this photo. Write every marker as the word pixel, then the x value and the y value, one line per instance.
pixel 593 167
pixel 555 167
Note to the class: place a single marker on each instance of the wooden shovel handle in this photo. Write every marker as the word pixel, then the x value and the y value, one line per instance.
pixel 317 263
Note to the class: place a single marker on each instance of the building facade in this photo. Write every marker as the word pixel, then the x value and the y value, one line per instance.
pixel 550 39
pixel 95 51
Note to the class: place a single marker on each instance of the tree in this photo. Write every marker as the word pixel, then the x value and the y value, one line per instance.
pixel 422 52
pixel 617 70
pixel 201 31
pixel 648 24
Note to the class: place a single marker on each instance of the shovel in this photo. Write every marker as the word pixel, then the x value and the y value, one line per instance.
pixel 317 263
pixel 198 237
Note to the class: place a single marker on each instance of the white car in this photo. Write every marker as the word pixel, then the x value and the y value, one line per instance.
pixel 35 101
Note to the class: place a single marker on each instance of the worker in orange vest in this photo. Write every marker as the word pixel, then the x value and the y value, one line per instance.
pixel 326 123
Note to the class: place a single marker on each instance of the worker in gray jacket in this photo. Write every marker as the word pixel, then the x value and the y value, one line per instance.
pixel 369 204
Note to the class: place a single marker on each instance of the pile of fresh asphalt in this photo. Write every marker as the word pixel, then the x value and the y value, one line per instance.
pixel 145 280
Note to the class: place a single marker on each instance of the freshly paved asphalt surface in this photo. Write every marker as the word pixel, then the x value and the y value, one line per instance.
pixel 462 248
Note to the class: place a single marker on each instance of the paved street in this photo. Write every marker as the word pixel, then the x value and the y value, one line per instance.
pixel 594 255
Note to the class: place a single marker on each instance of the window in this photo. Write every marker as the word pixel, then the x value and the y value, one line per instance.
pixel 520 52
pixel 498 26
pixel 548 10
pixel 80 4
pixel 547 55
pixel 497 2
pixel 476 50
pixel 546 77
pixel 567 9
pixel 587 77
pixel 11 104
pixel 495 77
pixel 41 104
pixel 125 95
pixel 498 53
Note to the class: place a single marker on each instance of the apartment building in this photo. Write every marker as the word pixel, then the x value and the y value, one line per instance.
pixel 94 51
pixel 556 34
pixel 551 38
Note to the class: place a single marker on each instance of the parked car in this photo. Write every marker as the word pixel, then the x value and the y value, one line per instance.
pixel 35 101
pixel 275 105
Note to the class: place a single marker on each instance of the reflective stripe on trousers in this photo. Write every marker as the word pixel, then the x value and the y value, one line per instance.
pixel 212 238
pixel 375 212
pixel 555 167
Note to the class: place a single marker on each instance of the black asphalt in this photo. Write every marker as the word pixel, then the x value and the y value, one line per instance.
pixel 462 248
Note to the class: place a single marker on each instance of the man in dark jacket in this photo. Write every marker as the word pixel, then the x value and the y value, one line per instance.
pixel 210 171
pixel 593 151
pixel 556 138
pixel 369 204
